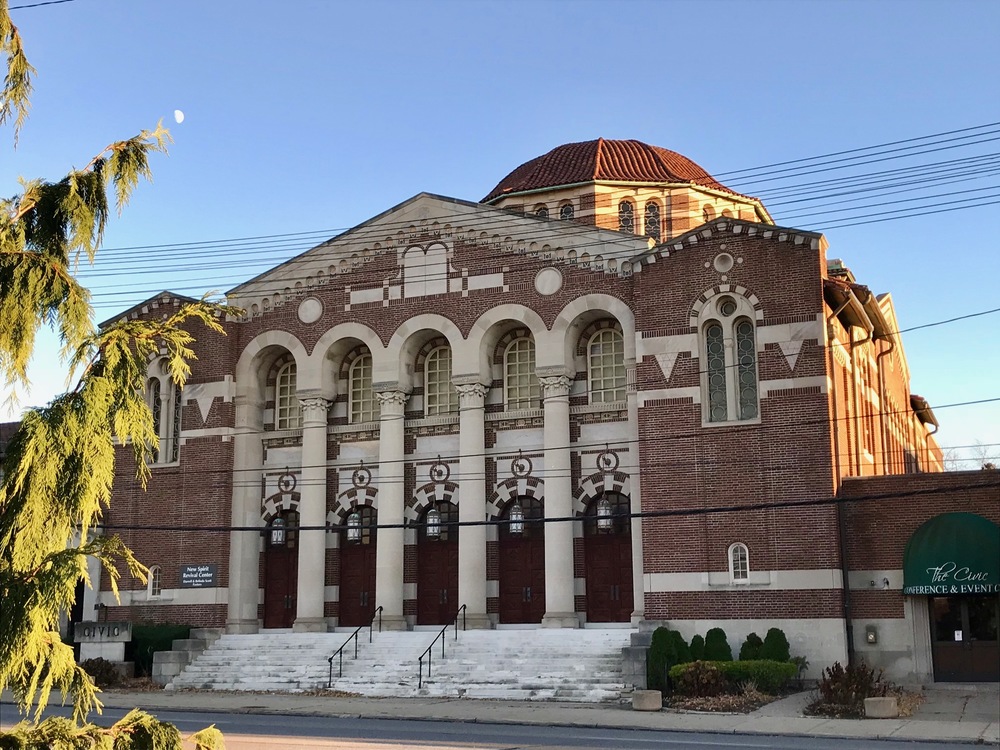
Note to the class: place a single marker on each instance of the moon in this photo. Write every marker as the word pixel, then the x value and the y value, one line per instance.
pixel 178 116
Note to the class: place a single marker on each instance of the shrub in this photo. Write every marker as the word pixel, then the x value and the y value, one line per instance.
pixel 717 646
pixel 851 685
pixel 699 679
pixel 148 639
pixel 102 672
pixel 775 646
pixel 697 648
pixel 679 651
pixel 750 650
pixel 668 648
pixel 768 676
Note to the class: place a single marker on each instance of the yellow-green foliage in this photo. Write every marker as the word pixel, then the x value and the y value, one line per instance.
pixel 59 465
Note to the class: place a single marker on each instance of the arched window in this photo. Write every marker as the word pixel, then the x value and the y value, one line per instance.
pixel 653 220
pixel 164 399
pixel 730 351
pixel 521 389
pixel 440 395
pixel 606 366
pixel 364 407
pixel 626 217
pixel 707 212
pixel 566 212
pixel 739 563
pixel 154 584
pixel 288 411
pixel 542 212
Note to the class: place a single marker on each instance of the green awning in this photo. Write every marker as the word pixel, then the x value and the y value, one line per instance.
pixel 954 553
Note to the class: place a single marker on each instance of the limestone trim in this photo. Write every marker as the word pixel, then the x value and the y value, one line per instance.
pixel 428 495
pixel 774 580
pixel 511 489
pixel 597 484
pixel 347 501
pixel 554 385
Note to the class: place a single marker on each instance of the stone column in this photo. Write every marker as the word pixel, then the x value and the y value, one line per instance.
pixel 635 494
pixel 472 503
pixel 244 546
pixel 312 513
pixel 389 549
pixel 559 600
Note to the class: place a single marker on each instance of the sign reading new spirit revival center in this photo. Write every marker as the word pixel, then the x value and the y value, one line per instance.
pixel 198 576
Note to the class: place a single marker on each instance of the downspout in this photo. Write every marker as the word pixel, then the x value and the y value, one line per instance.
pixel 881 404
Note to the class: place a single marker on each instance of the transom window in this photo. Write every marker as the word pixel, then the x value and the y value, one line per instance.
pixel 566 212
pixel 288 411
pixel 439 393
pixel 739 562
pixel 626 217
pixel 606 362
pixel 364 407
pixel 542 212
pixel 653 220
pixel 521 389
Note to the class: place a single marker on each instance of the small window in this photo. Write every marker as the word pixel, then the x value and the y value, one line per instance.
pixel 717 397
pixel 730 374
pixel 653 220
pixel 566 212
pixel 164 399
pixel 606 362
pixel 739 563
pixel 154 587
pixel 542 212
pixel 364 407
pixel 626 217
pixel 707 213
pixel 156 406
pixel 439 393
pixel 746 367
pixel 521 389
pixel 287 407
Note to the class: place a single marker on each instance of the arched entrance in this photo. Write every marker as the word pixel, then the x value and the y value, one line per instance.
pixel 357 567
pixel 437 565
pixel 522 562
pixel 281 567
pixel 607 553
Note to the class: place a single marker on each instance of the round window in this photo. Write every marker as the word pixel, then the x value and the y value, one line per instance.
pixel 727 306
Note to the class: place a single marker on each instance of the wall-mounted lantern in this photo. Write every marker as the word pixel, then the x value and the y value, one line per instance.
pixel 516 516
pixel 433 524
pixel 278 532
pixel 604 520
pixel 354 527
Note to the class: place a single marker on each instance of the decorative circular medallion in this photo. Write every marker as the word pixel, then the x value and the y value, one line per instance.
pixel 723 262
pixel 520 467
pixel 607 461
pixel 548 281
pixel 439 471
pixel 287 482
pixel 310 310
pixel 361 477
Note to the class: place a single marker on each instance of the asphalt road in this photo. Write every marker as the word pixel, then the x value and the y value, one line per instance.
pixel 252 731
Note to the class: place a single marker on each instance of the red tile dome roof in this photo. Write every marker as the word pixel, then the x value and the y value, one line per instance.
pixel 619 161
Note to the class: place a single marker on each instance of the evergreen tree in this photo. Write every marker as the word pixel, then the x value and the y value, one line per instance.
pixel 717 646
pixel 750 650
pixel 775 646
pixel 59 466
pixel 697 648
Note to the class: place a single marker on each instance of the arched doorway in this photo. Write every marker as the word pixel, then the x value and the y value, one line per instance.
pixel 522 562
pixel 607 546
pixel 281 567
pixel 357 567
pixel 437 565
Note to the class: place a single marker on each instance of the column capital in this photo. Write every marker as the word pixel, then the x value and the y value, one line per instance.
pixel 471 395
pixel 391 401
pixel 554 385
pixel 314 408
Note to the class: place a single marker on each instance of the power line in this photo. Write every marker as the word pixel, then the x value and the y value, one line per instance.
pixel 39 5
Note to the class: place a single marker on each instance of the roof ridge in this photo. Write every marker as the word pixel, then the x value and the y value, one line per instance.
pixel 597 157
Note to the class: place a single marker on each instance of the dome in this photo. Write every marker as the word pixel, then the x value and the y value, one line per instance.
pixel 618 161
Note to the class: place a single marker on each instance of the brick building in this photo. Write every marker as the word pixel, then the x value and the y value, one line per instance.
pixel 611 391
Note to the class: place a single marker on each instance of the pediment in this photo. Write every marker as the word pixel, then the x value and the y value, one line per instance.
pixel 416 241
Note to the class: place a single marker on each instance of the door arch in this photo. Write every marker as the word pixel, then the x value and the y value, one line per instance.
pixel 437 564
pixel 281 567
pixel 522 561
pixel 357 567
pixel 607 549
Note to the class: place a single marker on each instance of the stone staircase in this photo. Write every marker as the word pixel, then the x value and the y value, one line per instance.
pixel 531 664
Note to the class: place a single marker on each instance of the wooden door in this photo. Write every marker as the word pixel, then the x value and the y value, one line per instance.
pixel 608 560
pixel 281 568
pixel 964 637
pixel 357 570
pixel 437 568
pixel 522 564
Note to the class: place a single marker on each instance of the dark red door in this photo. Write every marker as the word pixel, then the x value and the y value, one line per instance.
pixel 357 568
pixel 522 562
pixel 281 567
pixel 437 566
pixel 608 559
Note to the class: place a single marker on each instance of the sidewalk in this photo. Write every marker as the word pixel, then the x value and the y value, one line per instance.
pixel 950 714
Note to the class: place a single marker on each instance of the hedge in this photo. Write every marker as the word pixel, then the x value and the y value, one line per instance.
pixel 148 639
pixel 770 676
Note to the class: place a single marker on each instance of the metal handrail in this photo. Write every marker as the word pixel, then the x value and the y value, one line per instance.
pixel 354 637
pixel 439 637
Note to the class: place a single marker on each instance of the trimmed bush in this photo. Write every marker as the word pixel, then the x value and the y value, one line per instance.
pixel 750 650
pixel 769 676
pixel 775 646
pixel 679 651
pixel 699 679
pixel 697 648
pixel 102 672
pixel 717 646
pixel 148 639
pixel 668 648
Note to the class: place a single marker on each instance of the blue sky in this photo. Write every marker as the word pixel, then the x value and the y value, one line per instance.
pixel 311 116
